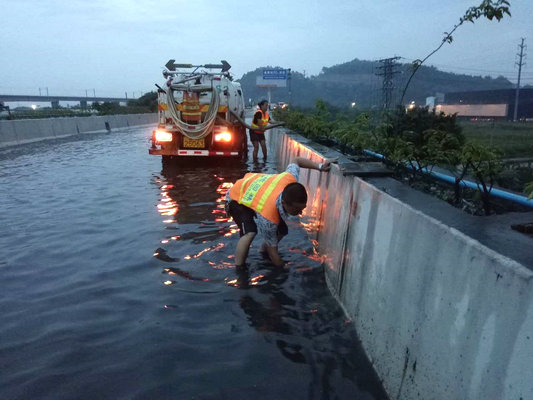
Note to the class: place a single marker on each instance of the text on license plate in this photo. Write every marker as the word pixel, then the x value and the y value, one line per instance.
pixel 193 143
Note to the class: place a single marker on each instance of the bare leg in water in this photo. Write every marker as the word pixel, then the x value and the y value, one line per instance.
pixel 255 143
pixel 264 149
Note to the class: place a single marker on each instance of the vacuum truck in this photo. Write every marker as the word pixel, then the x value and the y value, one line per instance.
pixel 201 113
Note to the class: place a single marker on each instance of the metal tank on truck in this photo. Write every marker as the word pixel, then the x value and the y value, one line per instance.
pixel 201 113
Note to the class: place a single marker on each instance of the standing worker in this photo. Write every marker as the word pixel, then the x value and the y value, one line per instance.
pixel 260 121
pixel 262 202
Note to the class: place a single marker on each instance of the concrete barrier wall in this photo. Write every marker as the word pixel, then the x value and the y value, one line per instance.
pixel 440 315
pixel 14 132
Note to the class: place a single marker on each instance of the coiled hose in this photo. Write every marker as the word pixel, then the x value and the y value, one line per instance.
pixel 202 129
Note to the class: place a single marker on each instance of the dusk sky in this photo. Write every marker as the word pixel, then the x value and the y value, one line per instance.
pixel 118 46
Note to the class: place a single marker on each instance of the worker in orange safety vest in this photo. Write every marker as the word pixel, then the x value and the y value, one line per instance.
pixel 260 203
pixel 260 122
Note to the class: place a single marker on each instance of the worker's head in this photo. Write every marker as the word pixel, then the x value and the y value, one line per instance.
pixel 294 198
pixel 263 105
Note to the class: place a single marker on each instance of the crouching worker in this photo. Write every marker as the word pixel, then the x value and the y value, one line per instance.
pixel 260 203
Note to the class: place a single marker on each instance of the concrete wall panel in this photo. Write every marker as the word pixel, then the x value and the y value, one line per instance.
pixel 8 134
pixel 440 315
pixel 32 130
pixel 64 126
pixel 15 132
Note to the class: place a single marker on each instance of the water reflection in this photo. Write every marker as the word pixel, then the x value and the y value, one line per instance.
pixel 294 312
pixel 183 274
pixel 290 307
pixel 192 197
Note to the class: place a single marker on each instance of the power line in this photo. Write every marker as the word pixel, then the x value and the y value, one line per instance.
pixel 466 69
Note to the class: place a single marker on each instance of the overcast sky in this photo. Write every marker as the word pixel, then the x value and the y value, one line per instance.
pixel 118 46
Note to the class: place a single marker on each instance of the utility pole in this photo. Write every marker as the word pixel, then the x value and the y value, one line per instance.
pixel 520 62
pixel 289 77
pixel 387 71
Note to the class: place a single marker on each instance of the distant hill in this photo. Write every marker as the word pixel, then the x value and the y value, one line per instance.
pixel 356 81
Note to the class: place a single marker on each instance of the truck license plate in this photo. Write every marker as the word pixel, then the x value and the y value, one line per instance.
pixel 193 143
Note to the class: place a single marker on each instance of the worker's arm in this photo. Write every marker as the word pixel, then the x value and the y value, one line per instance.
pixel 274 256
pixel 306 163
pixel 249 127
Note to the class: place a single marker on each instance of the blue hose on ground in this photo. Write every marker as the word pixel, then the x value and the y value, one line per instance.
pixel 502 194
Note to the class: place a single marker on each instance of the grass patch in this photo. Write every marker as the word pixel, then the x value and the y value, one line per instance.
pixel 513 139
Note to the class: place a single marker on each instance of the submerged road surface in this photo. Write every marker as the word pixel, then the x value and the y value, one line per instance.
pixel 117 282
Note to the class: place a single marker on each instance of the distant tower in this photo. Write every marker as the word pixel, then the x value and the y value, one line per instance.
pixel 520 62
pixel 387 71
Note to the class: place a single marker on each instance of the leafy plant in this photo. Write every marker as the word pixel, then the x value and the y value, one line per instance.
pixel 485 163
pixel 529 190
pixel 421 139
pixel 355 134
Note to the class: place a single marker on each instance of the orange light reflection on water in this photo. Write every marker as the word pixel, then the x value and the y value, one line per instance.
pixel 215 247
pixel 167 206
pixel 254 281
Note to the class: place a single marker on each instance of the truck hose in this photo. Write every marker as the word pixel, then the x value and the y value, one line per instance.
pixel 194 131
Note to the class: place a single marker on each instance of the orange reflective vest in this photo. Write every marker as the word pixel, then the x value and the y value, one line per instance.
pixel 263 123
pixel 191 111
pixel 260 191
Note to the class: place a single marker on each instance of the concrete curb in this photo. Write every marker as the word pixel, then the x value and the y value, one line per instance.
pixel 16 132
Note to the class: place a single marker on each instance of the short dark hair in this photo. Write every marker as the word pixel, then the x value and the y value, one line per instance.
pixel 294 193
pixel 262 102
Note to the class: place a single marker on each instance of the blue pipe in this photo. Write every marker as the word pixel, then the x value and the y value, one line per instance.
pixel 523 200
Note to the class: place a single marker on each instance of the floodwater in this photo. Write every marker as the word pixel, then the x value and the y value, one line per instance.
pixel 117 282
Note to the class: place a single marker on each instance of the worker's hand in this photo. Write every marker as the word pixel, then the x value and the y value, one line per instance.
pixel 326 165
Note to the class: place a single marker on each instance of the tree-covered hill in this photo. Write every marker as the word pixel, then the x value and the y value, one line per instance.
pixel 357 81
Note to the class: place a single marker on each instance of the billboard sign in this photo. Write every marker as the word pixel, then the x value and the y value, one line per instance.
pixel 273 78
pixel 274 74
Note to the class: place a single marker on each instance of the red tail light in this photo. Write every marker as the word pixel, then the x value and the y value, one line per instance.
pixel 163 136
pixel 224 136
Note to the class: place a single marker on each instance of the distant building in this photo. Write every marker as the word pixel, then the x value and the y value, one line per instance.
pixel 498 104
pixel 430 101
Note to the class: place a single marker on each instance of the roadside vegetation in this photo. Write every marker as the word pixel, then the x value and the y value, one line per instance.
pixel 417 140
pixel 515 140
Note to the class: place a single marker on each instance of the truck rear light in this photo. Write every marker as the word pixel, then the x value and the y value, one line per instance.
pixel 224 136
pixel 163 136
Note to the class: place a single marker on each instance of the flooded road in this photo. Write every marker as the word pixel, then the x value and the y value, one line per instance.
pixel 118 282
